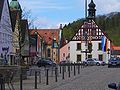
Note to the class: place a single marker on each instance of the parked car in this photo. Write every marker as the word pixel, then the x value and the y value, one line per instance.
pixel 93 61
pixel 114 86
pixel 65 62
pixel 46 62
pixel 113 62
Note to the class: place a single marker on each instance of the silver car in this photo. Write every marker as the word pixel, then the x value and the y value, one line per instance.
pixel 93 61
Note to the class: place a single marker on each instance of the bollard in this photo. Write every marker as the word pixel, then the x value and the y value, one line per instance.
pixel 74 70
pixel 69 71
pixel 21 87
pixel 55 74
pixel 47 76
pixel 35 79
pixel 62 72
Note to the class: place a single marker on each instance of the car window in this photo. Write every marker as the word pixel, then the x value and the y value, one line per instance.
pixel 113 59
pixel 89 60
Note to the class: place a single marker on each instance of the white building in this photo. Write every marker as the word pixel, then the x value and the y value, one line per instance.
pixel 5 31
pixel 86 43
pixel 78 43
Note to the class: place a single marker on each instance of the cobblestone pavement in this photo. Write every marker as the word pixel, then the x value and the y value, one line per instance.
pixel 90 78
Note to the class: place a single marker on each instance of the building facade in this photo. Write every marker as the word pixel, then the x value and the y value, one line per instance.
pixel 5 32
pixel 51 41
pixel 65 52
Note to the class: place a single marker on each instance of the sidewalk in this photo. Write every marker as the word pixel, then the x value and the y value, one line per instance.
pixel 29 84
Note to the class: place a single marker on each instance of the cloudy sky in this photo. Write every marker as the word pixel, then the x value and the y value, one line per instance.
pixel 51 13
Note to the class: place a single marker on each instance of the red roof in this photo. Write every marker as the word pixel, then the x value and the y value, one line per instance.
pixel 47 34
pixel 113 47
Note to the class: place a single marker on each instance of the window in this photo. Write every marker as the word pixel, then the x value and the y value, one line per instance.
pixel 89 56
pixel 78 58
pixel 78 46
pixel 100 57
pixel 63 54
pixel 93 32
pixel 48 52
pixel 68 48
pixel 90 46
pixel 99 46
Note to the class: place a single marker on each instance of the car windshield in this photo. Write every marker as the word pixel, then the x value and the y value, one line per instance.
pixel 113 59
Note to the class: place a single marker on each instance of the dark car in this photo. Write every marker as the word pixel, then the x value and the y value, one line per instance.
pixel 64 62
pixel 114 62
pixel 93 61
pixel 46 62
pixel 114 86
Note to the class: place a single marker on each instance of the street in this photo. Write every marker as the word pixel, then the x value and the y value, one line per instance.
pixel 90 78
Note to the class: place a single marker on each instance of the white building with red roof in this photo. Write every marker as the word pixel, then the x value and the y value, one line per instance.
pixel 87 42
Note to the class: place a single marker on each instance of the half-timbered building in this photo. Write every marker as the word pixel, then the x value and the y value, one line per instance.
pixel 87 42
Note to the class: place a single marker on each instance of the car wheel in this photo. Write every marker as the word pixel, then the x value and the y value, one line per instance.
pixel 98 64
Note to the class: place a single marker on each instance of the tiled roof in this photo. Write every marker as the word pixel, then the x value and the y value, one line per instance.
pixel 1 7
pixel 115 47
pixel 47 34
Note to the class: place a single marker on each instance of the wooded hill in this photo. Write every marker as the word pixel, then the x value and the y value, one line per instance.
pixel 110 23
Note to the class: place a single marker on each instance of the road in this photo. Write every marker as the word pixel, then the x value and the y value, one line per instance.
pixel 90 78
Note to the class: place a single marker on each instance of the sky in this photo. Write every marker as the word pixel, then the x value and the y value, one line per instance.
pixel 52 13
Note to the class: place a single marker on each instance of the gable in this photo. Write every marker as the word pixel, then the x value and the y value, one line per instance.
pixel 1 7
pixel 93 32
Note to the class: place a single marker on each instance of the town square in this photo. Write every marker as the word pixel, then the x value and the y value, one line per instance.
pixel 48 45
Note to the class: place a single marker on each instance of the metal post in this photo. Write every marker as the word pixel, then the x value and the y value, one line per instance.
pixel 47 76
pixel 62 72
pixel 35 79
pixel 85 8
pixel 69 70
pixel 56 74
pixel 74 70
